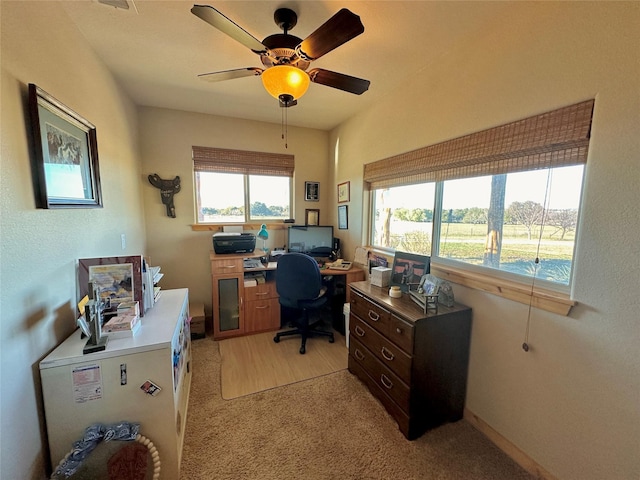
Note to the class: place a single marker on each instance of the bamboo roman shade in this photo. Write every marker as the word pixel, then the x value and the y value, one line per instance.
pixel 222 160
pixel 553 139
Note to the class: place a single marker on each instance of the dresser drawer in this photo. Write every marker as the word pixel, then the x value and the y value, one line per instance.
pixel 388 353
pixel 227 266
pixel 388 382
pixel 373 314
pixel 401 333
pixel 401 417
pixel 261 291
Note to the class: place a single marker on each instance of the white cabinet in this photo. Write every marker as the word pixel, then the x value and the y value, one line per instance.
pixel 81 390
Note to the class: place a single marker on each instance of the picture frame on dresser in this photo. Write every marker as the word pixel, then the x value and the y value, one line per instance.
pixel 408 269
pixel 65 162
pixel 133 263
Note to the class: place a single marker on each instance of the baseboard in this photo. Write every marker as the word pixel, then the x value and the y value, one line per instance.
pixel 507 447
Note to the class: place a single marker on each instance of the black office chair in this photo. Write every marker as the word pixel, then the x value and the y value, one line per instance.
pixel 299 285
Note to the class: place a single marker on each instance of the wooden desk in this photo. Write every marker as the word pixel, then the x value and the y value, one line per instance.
pixel 240 309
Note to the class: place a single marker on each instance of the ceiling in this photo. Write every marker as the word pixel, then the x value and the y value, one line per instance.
pixel 156 49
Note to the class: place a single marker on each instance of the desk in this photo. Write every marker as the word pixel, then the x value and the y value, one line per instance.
pixel 240 309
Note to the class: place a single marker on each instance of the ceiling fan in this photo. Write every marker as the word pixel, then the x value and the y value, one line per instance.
pixel 285 57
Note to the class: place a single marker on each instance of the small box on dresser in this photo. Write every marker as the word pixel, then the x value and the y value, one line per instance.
pixel 380 276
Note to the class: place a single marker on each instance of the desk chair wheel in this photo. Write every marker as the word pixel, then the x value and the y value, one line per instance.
pixel 302 350
pixel 276 339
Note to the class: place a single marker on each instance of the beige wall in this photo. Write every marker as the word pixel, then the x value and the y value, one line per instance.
pixel 39 248
pixel 572 402
pixel 166 138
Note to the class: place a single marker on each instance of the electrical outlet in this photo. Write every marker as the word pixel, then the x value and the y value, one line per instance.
pixel 123 241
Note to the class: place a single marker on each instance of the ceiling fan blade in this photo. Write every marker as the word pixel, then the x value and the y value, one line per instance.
pixel 339 29
pixel 225 25
pixel 339 80
pixel 231 74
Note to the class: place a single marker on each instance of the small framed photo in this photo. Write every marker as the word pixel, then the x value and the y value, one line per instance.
pixel 312 191
pixel 312 216
pixel 343 217
pixel 343 192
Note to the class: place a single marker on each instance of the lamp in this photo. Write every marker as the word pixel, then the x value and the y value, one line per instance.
pixel 285 82
pixel 263 234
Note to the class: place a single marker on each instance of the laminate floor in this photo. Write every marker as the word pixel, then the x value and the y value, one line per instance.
pixel 254 363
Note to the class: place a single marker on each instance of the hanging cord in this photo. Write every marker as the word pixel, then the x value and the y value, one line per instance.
pixel 284 126
pixel 545 210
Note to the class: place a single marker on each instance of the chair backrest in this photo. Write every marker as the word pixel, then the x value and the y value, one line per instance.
pixel 297 278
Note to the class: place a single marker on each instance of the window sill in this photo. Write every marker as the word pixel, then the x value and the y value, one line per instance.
pixel 541 298
pixel 217 227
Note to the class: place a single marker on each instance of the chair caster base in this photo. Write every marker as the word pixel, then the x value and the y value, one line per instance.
pixel 302 350
pixel 276 339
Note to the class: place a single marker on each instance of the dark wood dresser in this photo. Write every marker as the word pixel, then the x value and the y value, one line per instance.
pixel 414 363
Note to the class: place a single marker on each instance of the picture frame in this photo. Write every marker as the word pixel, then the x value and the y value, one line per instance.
pixel 312 216
pixel 65 157
pixel 113 266
pixel 408 270
pixel 343 217
pixel 312 191
pixel 343 192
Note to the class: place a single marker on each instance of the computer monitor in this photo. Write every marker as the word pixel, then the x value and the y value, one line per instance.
pixel 313 240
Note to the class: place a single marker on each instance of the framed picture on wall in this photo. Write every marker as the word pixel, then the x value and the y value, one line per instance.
pixel 343 217
pixel 312 191
pixel 65 164
pixel 343 192
pixel 312 216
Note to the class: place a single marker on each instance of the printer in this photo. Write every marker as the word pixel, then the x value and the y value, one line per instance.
pixel 231 242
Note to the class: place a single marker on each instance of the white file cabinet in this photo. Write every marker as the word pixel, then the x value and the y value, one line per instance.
pixel 104 387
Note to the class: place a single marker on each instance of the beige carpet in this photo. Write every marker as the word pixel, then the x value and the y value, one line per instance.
pixel 255 363
pixel 326 428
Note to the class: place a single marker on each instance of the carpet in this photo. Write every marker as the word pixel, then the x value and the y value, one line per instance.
pixel 326 428
pixel 255 363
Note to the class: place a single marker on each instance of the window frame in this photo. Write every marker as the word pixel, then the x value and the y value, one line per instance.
pixel 246 163
pixel 552 139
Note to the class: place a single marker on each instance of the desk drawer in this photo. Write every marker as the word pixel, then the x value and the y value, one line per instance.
pixel 385 351
pixel 227 266
pixel 381 375
pixel 261 291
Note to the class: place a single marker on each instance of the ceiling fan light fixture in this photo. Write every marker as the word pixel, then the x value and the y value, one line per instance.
pixel 285 80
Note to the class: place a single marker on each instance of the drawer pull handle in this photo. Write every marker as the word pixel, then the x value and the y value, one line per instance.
pixel 359 331
pixel 261 293
pixel 229 266
pixel 359 355
pixel 262 307
pixel 374 316
pixel 386 382
pixel 399 331
pixel 387 354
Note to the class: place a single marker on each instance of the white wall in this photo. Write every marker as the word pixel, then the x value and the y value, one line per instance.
pixel 39 248
pixel 166 138
pixel 572 402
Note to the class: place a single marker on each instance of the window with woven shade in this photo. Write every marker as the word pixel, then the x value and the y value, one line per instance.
pixel 496 199
pixel 239 186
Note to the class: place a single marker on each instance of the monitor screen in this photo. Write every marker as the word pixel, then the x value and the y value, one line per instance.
pixel 316 240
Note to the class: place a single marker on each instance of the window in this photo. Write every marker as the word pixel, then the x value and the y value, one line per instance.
pixel 403 218
pixel 506 221
pixel 235 186
pixel 495 200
